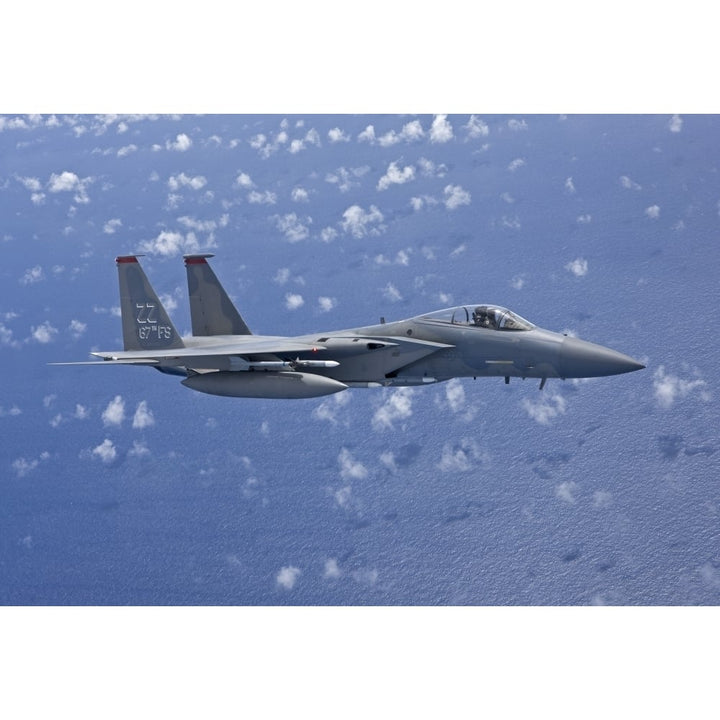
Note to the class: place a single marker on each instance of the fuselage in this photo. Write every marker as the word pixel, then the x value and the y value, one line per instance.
pixel 385 354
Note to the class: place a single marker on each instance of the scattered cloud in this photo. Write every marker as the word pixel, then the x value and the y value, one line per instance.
pixel 516 125
pixel 114 413
pixel 106 451
pixel 359 222
pixel 332 569
pixel 461 456
pixel 396 176
pixel 32 275
pixel 77 328
pixel 299 195
pixel 629 184
pixel 653 212
pixel 326 304
pixel 127 150
pixel 243 180
pixel 182 143
pixel 441 130
pixel 346 179
pixel 675 124
pixel 515 164
pixel 24 467
pixel 292 226
pixel 565 492
pixel 391 293
pixel 669 388
pixel 397 406
pixel 546 409
pixel 570 185
pixel 293 301
pixel 336 135
pixel 330 408
pixel 287 577
pixel 256 197
pixel 577 267
pixel 112 226
pixel 44 333
pixel 143 417
pixel 455 196
pixel 350 469
pixel 171 244
pixel 69 182
pixel 177 182
pixel 476 128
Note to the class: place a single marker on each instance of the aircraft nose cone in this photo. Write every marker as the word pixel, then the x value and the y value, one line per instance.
pixel 579 358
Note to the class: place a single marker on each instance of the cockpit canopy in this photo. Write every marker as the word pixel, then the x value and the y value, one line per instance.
pixel 491 317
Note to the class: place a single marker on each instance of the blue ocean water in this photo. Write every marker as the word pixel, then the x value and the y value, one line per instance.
pixel 120 487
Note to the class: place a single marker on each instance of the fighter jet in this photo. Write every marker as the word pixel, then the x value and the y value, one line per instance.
pixel 223 357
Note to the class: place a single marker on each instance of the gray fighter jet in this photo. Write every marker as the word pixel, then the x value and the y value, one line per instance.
pixel 222 357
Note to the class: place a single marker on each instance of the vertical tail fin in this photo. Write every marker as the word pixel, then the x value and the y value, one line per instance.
pixel 211 310
pixel 145 323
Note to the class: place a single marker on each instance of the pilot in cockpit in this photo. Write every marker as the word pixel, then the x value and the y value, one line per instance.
pixel 483 318
pixel 480 317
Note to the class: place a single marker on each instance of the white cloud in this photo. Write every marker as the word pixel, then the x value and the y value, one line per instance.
pixel 516 125
pixel 81 412
pixel 139 449
pixel 629 184
pixel 577 267
pixel 476 127
pixel 299 195
pixel 170 244
pixel 44 333
pixel 181 144
pixel 106 451
pixel 176 182
pixel 653 212
pixel 332 570
pixel 262 198
pixel 331 406
pixel 32 275
pixel 30 183
pixel 336 135
pixel 398 406
pixel 585 219
pixel 545 409
pixel 515 164
pixel 77 328
pixel 143 417
pixel 367 135
pixel 243 180
pixel 441 131
pixel 282 276
pixel 287 577
pixel 114 413
pixel 127 150
pixel 328 234
pixel 455 395
pixel 359 222
pixel 293 301
pixel 391 293
pixel 570 185
pixel 70 182
pixel 565 491
pixel 24 467
pixel 350 469
pixel 326 304
pixel 396 176
pixel 518 282
pixel 111 226
pixel 462 456
pixel 455 196
pixel 675 124
pixel 293 227
pixel 668 388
